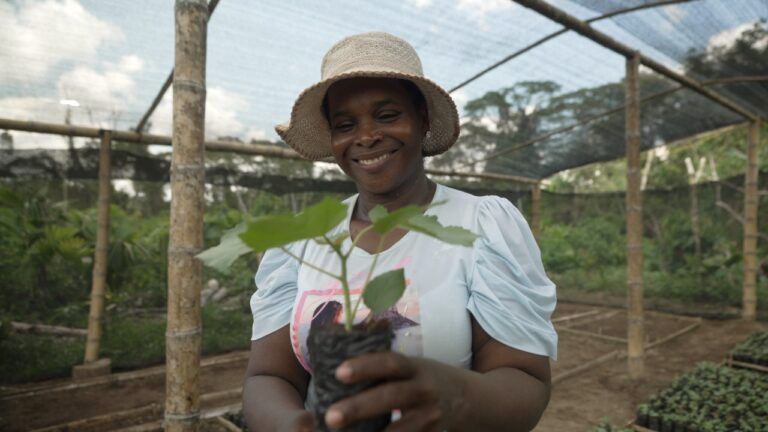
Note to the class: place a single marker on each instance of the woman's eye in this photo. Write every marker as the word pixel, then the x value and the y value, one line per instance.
pixel 343 126
pixel 388 115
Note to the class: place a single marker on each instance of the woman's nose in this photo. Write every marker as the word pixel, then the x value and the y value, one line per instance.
pixel 367 134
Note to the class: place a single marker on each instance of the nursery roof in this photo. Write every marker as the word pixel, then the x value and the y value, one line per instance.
pixel 101 63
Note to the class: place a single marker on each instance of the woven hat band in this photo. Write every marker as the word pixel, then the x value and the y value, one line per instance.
pixel 371 54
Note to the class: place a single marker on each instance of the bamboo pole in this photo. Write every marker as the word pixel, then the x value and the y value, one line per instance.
pixel 167 84
pixel 635 328
pixel 100 256
pixel 751 203
pixel 536 210
pixel 184 329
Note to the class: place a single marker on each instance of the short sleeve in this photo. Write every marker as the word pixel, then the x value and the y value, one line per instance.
pixel 276 289
pixel 511 296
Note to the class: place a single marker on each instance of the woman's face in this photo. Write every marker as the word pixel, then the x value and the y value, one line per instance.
pixel 376 132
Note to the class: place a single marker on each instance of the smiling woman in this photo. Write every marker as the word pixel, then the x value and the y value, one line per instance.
pixel 472 331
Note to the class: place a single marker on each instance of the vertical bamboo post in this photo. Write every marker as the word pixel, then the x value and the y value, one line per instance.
pixel 751 202
pixel 183 334
pixel 99 282
pixel 536 210
pixel 635 330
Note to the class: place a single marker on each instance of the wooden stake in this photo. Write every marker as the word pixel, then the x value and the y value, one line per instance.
pixel 183 336
pixel 694 175
pixel 635 330
pixel 100 258
pixel 751 201
pixel 536 210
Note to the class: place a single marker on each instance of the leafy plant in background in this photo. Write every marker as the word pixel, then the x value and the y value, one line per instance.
pixel 277 231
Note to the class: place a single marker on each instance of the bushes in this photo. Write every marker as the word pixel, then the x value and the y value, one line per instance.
pixel 130 342
pixel 585 248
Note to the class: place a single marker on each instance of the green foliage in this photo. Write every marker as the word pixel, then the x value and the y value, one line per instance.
pixel 130 342
pixel 231 248
pixel 273 231
pixel 384 290
pixel 606 426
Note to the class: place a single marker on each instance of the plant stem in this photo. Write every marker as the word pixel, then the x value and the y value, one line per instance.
pixel 370 273
pixel 356 239
pixel 348 317
pixel 310 265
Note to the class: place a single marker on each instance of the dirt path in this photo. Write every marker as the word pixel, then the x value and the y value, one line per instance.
pixel 58 407
pixel 577 403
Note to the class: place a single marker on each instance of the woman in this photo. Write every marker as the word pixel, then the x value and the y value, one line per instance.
pixel 474 336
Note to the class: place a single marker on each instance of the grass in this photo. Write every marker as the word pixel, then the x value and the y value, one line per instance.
pixel 130 342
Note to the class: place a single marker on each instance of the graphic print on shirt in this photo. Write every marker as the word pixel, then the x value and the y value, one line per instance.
pixel 324 306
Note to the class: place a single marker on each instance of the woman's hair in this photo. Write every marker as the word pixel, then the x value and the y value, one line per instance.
pixel 416 96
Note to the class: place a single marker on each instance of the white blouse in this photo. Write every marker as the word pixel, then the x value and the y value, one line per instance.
pixel 500 281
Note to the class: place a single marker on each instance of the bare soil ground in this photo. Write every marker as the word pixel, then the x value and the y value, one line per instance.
pixel 577 403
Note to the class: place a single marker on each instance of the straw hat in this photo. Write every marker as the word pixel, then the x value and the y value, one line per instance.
pixel 374 54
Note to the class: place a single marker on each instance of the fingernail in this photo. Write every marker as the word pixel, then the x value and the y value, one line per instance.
pixel 333 418
pixel 343 372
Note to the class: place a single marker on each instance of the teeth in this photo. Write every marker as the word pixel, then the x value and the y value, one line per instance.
pixel 374 160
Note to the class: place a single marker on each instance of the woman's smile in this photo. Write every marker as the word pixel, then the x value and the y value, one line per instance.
pixel 375 161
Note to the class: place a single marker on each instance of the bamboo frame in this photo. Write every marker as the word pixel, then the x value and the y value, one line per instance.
pixel 551 36
pixel 22 327
pixel 584 29
pixel 114 379
pixel 590 334
pixel 183 336
pixel 575 316
pixel 262 148
pixel 100 258
pixel 751 204
pixel 635 328
pixel 588 365
pixel 536 210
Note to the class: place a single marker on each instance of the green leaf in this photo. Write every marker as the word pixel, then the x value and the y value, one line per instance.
pixel 279 230
pixel 384 290
pixel 227 251
pixel 430 226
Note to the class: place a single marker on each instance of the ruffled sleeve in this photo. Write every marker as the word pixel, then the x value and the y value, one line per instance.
pixel 511 296
pixel 276 289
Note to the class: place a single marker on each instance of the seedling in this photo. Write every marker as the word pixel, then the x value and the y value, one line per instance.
pixel 278 231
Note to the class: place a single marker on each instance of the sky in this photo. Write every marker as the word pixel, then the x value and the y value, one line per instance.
pixel 102 62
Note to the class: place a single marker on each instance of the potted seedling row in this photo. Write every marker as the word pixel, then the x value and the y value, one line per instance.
pixel 753 350
pixel 332 344
pixel 710 398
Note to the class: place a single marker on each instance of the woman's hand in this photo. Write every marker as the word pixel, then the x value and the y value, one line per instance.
pixel 427 392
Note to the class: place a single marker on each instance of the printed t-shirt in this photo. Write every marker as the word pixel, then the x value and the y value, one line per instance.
pixel 500 280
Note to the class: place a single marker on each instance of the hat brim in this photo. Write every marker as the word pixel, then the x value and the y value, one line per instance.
pixel 309 134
